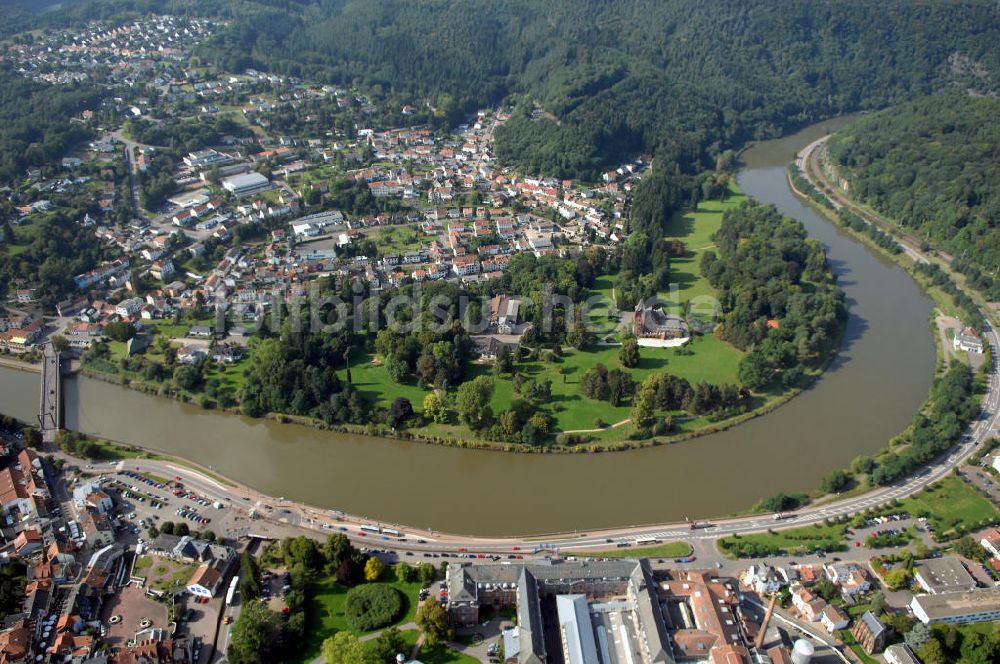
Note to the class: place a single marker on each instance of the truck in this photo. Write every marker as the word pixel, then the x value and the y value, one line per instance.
pixel 695 525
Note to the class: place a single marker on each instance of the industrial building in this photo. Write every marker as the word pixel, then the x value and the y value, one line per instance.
pixel 246 185
pixel 943 575
pixel 605 612
pixel 980 605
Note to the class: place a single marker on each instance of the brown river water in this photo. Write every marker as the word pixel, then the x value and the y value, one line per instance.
pixel 867 395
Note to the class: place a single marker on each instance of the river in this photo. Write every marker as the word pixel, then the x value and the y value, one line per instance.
pixel 868 394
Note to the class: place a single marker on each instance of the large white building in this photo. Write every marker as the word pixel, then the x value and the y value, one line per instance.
pixel 980 605
pixel 938 576
pixel 247 184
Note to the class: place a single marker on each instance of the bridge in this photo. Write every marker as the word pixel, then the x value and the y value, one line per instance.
pixel 49 410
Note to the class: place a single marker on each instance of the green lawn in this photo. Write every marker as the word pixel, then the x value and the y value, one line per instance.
pixel 850 641
pixel 397 239
pixel 666 550
pixel 369 376
pixel 164 574
pixel 439 654
pixel 326 612
pixel 167 327
pixel 949 503
pixel 695 230
pixel 110 451
pixel 712 361
pixel 790 542
pixel 229 375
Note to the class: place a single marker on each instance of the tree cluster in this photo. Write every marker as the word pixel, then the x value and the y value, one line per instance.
pixel 778 297
pixel 952 405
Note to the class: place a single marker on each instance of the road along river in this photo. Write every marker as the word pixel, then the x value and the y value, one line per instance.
pixel 867 395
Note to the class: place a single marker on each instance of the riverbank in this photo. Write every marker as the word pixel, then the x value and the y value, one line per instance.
pixel 33 367
pixel 812 188
pixel 807 164
pixel 586 446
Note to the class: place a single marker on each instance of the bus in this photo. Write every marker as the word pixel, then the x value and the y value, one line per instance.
pixel 231 593
pixel 391 532
pixel 371 529
pixel 646 541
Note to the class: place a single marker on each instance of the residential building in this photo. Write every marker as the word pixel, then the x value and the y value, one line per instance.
pixel 205 581
pixel 101 273
pixel 762 579
pixel 870 633
pixel 809 605
pixel 22 487
pixel 833 618
pixel 129 307
pixel 97 529
pixel 25 295
pixel 28 542
pixel 16 642
pixel 20 339
pixel 162 269
pixel 991 539
pixel 90 494
pixel 968 340
pixel 505 313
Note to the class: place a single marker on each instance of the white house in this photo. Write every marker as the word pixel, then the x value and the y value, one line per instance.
pixel 129 307
pixel 809 605
pixel 969 341
pixel 90 493
pixel 205 581
pixel 991 541
pixel 833 618
pixel 763 579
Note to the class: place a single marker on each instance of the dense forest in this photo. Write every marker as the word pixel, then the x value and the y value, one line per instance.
pixel 678 79
pixel 779 299
pixel 34 121
pixel 933 166
pixel 53 252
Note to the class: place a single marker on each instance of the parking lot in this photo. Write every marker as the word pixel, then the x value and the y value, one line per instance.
pixel 153 500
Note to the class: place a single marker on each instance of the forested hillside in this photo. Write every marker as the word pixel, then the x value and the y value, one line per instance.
pixel 34 121
pixel 934 167
pixel 680 79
